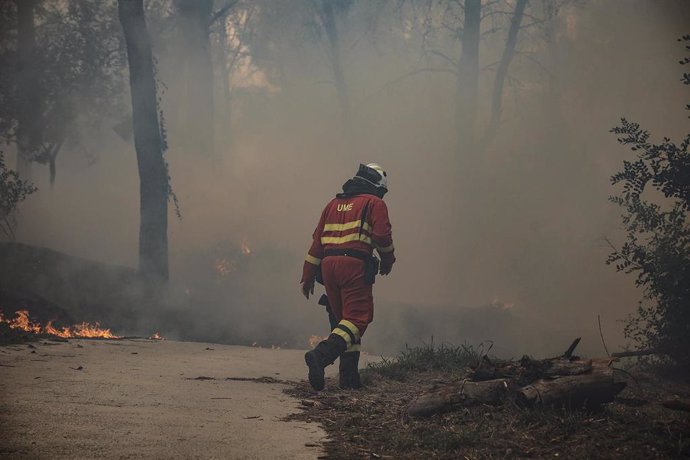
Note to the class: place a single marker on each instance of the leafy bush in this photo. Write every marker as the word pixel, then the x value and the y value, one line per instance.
pixel 13 191
pixel 655 200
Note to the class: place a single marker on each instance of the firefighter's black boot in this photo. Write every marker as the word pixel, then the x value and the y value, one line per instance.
pixel 324 354
pixel 349 373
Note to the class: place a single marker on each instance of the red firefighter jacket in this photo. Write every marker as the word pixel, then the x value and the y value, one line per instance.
pixel 359 222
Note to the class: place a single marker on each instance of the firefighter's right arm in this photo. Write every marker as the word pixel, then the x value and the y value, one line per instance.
pixel 313 259
pixel 382 236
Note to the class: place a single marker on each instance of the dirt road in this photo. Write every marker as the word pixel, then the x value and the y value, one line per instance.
pixel 150 399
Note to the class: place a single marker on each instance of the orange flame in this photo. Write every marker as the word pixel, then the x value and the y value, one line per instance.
pixel 22 321
pixel 224 266
pixel 246 250
pixel 82 330
pixel 156 336
pixel 315 339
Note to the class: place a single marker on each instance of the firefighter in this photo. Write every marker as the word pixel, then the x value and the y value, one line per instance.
pixel 352 225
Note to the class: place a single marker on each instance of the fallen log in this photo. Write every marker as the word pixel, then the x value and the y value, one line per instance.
pixel 591 389
pixel 628 354
pixel 527 370
pixel 563 367
pixel 466 393
pixel 677 404
pixel 565 380
pixel 490 371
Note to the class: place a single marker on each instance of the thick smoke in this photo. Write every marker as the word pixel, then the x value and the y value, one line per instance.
pixel 511 250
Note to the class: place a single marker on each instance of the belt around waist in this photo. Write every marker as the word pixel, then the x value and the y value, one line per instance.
pixel 361 255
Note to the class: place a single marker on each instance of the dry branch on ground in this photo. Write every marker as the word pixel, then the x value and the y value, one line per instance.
pixel 562 381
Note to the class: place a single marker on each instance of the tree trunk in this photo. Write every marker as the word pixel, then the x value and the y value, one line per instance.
pixel 551 97
pixel 468 78
pixel 153 174
pixel 226 136
pixel 199 120
pixel 53 151
pixel 502 70
pixel 27 117
pixel 328 19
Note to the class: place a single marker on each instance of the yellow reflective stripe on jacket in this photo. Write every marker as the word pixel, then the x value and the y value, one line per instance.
pixel 346 226
pixel 313 260
pixel 353 347
pixel 386 249
pixel 345 239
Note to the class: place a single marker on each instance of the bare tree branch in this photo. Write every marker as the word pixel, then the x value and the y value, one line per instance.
pixel 502 70
pixel 450 60
pixel 412 74
pixel 222 12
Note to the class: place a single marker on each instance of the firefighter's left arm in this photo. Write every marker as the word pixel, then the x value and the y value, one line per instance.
pixel 382 235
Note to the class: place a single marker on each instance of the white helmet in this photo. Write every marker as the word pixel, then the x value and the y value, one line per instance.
pixel 374 174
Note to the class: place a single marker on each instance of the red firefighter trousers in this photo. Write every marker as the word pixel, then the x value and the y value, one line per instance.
pixel 349 295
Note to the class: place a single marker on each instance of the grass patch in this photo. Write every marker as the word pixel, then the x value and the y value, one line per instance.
pixel 427 357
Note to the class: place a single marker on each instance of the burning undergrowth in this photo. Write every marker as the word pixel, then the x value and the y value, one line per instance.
pixel 64 292
pixel 242 292
pixel 22 328
pixel 83 330
pixel 29 317
pixel 237 291
pixel 25 318
pixel 230 292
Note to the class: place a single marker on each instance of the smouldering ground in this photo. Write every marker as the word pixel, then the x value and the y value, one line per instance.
pixel 145 399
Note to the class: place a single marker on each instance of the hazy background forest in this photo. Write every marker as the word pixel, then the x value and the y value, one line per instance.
pixel 500 218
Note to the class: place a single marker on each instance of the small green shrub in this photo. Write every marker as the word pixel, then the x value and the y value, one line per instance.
pixel 655 200
pixel 424 358
pixel 13 191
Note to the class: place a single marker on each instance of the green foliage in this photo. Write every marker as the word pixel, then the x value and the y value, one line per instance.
pixel 655 200
pixel 424 358
pixel 13 191
pixel 77 68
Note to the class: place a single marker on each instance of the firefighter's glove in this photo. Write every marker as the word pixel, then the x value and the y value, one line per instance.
pixel 386 267
pixel 387 261
pixel 308 288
